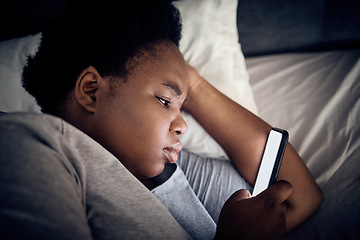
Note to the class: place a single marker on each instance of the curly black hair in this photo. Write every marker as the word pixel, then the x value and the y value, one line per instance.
pixel 104 34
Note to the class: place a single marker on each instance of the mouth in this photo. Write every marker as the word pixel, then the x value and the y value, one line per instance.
pixel 172 152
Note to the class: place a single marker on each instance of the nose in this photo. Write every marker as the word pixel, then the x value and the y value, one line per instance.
pixel 178 125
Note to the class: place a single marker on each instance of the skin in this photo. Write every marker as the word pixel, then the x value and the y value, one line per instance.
pixel 139 122
pixel 263 216
pixel 249 145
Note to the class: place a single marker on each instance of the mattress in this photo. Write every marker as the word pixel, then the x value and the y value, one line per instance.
pixel 316 97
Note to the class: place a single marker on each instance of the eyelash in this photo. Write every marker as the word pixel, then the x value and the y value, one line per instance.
pixel 164 102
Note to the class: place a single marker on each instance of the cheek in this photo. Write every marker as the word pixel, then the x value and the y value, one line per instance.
pixel 137 136
pixel 144 132
pixel 148 121
pixel 151 130
pixel 141 149
pixel 140 123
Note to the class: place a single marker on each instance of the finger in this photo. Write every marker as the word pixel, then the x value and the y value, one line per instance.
pixel 239 195
pixel 283 216
pixel 278 192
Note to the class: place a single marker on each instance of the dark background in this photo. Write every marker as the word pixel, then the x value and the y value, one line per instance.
pixel 265 26
pixel 270 26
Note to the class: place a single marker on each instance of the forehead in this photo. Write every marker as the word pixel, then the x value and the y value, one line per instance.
pixel 163 64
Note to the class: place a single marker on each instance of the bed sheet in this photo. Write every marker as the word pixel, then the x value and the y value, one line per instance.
pixel 316 97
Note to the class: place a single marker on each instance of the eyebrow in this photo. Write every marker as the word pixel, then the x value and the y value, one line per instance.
pixel 173 87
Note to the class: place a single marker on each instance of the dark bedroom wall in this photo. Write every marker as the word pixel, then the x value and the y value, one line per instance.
pixel 22 17
pixel 342 20
pixel 275 26
pixel 265 26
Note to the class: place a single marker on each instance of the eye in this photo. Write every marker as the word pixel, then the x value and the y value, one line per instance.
pixel 163 101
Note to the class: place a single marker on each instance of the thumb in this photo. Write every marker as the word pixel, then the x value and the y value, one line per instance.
pixel 239 195
pixel 278 192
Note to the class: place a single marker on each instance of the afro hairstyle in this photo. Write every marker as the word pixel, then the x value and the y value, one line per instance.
pixel 104 34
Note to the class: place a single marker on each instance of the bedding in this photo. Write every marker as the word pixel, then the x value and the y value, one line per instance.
pixel 210 44
pixel 314 95
pixel 13 52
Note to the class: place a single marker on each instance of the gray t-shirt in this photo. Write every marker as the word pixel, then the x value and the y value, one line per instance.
pixel 197 190
pixel 58 183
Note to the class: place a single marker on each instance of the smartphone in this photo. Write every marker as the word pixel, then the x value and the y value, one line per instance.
pixel 271 160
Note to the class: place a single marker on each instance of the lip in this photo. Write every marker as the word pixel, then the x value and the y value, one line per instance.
pixel 172 151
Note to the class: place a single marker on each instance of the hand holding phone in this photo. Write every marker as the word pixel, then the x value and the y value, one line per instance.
pixel 261 218
pixel 271 160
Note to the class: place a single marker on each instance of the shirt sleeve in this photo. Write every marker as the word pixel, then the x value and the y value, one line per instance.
pixel 213 180
pixel 41 194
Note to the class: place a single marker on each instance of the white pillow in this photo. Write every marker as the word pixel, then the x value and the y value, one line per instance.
pixel 13 52
pixel 210 44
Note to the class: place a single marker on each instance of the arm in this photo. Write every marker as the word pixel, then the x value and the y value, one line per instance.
pixel 243 136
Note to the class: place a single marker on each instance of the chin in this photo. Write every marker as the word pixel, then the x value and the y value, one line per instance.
pixel 152 172
pixel 159 170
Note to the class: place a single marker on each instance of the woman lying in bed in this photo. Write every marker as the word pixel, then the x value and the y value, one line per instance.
pixel 116 73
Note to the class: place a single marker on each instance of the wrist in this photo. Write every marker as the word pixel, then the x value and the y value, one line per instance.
pixel 197 86
pixel 195 92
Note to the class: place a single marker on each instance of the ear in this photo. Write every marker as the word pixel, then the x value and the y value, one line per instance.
pixel 86 88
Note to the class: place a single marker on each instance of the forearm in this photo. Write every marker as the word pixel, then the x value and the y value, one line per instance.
pixel 239 132
pixel 306 195
pixel 243 136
